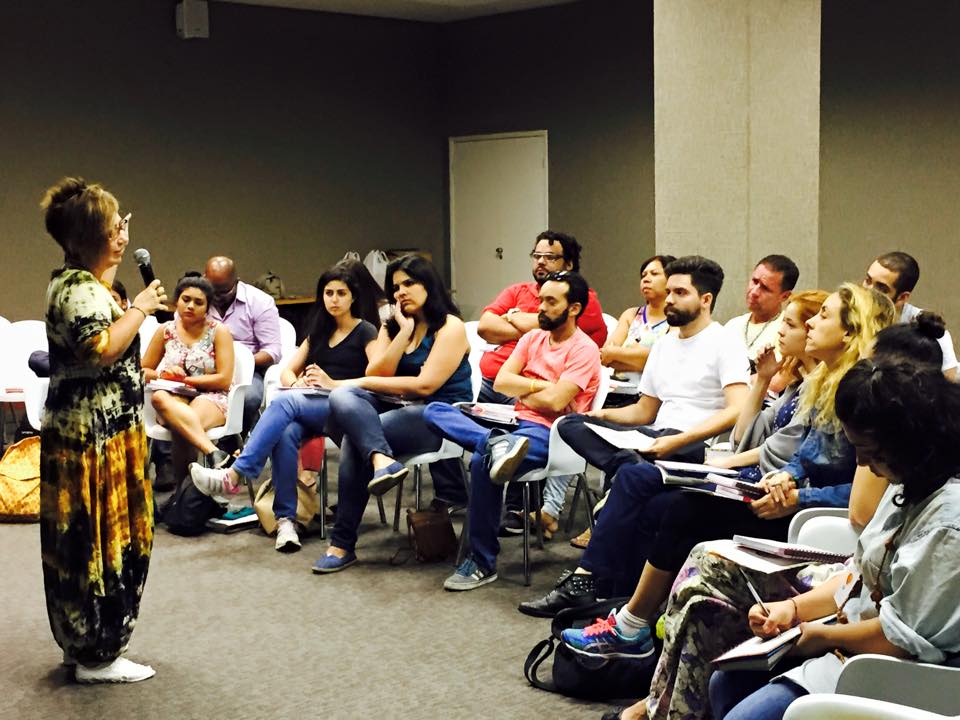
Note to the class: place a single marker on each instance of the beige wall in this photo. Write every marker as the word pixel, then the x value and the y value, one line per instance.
pixel 737 134
pixel 284 140
pixel 890 136
pixel 584 73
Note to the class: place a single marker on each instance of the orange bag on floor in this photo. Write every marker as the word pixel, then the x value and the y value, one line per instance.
pixel 20 482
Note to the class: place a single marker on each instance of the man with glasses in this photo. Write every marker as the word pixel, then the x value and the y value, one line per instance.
pixel 253 320
pixel 513 314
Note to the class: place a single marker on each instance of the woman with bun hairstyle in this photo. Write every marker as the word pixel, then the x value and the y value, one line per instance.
pixel 96 506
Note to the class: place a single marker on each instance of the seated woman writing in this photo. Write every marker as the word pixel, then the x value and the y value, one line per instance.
pixel 894 596
pixel 198 352
pixel 421 354
pixel 652 539
pixel 709 598
pixel 339 345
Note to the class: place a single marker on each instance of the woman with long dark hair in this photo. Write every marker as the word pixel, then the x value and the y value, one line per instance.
pixel 420 353
pixel 96 506
pixel 894 597
pixel 338 346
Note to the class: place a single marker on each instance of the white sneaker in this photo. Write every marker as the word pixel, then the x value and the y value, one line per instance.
pixel 212 481
pixel 120 670
pixel 287 538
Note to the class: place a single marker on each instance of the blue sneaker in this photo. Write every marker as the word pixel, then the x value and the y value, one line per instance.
pixel 602 639
pixel 332 563
pixel 506 452
pixel 469 576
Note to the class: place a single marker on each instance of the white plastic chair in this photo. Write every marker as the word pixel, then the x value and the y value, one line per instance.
pixel 148 328
pixel 288 346
pixel 19 340
pixel 825 528
pixel 562 460
pixel 844 707
pixel 611 322
pixel 242 378
pixel 880 686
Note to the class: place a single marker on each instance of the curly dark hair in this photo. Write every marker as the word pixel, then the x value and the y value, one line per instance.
pixel 912 413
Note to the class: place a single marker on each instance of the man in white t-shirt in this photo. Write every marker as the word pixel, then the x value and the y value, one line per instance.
pixel 895 274
pixel 692 388
pixel 768 290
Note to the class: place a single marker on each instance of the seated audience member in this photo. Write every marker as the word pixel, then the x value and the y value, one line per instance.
pixel 628 347
pixel 339 343
pixel 709 598
pixel 196 350
pixel 895 274
pixel 513 313
pixel 420 353
pixel 39 360
pixel 768 290
pixel 693 384
pixel 662 526
pixel 252 318
pixel 761 446
pixel 894 597
pixel 550 370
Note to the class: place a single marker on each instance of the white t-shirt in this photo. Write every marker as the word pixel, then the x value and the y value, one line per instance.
pixel 909 312
pixel 688 375
pixel 756 336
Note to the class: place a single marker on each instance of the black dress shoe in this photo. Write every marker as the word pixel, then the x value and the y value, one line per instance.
pixel 572 590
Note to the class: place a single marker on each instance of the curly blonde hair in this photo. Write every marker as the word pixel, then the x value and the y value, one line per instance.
pixel 78 216
pixel 863 313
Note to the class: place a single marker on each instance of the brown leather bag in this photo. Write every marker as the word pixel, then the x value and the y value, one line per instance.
pixel 431 535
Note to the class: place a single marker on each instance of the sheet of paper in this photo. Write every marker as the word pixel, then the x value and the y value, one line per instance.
pixel 766 564
pixel 624 439
pixel 685 467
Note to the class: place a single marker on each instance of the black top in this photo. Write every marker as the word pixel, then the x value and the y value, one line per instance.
pixel 348 358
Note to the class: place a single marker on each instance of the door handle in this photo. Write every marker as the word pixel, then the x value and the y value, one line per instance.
pixel 499 252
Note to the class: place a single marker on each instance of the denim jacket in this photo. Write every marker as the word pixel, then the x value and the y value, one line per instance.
pixel 823 467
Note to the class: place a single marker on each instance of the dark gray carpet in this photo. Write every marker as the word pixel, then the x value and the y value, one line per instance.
pixel 237 630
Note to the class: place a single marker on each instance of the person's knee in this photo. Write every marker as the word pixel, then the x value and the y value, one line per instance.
pixel 433 414
pixel 637 478
pixel 160 401
pixel 568 425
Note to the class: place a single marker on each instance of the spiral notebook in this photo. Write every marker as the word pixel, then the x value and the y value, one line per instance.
pixel 762 654
pixel 788 550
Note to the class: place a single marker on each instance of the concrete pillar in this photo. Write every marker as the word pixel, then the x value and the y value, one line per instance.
pixel 737 134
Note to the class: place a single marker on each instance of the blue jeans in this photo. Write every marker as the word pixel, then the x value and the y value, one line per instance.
pixel 288 420
pixel 486 499
pixel 364 425
pixel 749 695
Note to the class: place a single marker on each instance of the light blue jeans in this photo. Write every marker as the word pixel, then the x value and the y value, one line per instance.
pixel 290 419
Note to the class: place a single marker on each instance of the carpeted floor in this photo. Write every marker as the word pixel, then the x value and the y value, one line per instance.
pixel 237 630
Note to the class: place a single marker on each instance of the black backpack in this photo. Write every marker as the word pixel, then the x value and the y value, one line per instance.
pixel 583 677
pixel 187 511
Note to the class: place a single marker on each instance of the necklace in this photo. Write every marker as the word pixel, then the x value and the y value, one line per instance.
pixel 746 327
pixel 655 325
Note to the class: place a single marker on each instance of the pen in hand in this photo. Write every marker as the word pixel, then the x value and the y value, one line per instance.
pixel 753 591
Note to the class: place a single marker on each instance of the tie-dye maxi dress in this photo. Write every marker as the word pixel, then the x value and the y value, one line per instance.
pixel 96 506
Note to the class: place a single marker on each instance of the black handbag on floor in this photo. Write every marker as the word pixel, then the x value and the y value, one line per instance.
pixel 585 677
pixel 187 511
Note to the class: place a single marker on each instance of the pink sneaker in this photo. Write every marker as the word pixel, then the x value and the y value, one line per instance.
pixel 212 481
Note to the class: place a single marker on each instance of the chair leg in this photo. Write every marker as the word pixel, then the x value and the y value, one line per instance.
pixel 417 480
pixel 574 503
pixel 539 518
pixel 396 512
pixel 526 534
pixel 323 495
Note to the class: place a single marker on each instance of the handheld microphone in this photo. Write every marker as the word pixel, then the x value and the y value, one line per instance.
pixel 142 256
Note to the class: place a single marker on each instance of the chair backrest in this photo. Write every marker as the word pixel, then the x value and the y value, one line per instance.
pixel 478 346
pixel 825 528
pixel 19 340
pixel 611 322
pixel 243 367
pixel 603 389
pixel 148 329
pixel 288 339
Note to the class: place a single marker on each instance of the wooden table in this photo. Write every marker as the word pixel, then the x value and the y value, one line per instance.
pixel 295 310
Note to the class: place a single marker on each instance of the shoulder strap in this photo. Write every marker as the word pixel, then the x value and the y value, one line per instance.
pixel 540 652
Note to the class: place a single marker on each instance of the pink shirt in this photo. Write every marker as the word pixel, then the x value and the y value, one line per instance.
pixel 575 360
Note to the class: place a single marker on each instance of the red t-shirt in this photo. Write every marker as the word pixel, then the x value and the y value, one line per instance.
pixel 526 297
pixel 576 360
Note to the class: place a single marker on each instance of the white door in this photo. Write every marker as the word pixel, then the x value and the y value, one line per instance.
pixel 498 205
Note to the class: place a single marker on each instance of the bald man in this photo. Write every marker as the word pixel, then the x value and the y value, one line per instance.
pixel 253 320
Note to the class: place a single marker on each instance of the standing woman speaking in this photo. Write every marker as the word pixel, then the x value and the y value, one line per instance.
pixel 96 507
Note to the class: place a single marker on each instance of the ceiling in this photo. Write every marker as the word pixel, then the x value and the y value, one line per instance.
pixel 423 10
